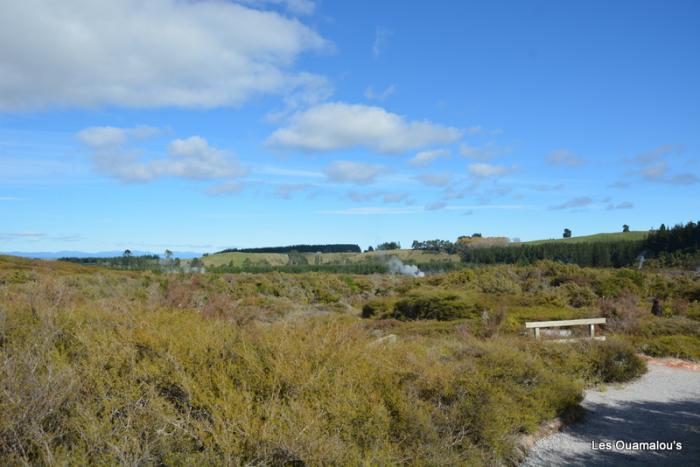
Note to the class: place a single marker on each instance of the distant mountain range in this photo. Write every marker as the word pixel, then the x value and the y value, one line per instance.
pixel 99 254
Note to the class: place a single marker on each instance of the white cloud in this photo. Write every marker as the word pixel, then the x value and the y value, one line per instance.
pixel 437 206
pixel 483 153
pixel 424 158
pixel 298 7
pixel 380 96
pixel 108 136
pixel 565 157
pixel 574 203
pixel 394 197
pixel 190 158
pixel 338 125
pixel 386 197
pixel 623 205
pixel 413 210
pixel 286 190
pixel 364 211
pixel 352 172
pixel 36 236
pixel 224 189
pixel 684 179
pixel 435 179
pixel 21 235
pixel 380 38
pixel 87 53
pixel 489 170
pixel 548 187
pixel 654 166
pixel 478 130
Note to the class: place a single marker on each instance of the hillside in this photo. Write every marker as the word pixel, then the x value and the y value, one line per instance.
pixel 600 237
pixel 280 259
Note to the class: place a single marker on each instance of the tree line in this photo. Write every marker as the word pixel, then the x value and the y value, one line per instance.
pixel 678 238
pixel 671 246
pixel 613 253
pixel 330 248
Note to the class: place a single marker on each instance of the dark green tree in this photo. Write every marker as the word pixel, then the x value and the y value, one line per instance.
pixel 567 233
pixel 389 246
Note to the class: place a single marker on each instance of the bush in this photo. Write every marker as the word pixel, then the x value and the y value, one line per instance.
pixel 615 361
pixel 439 305
pixel 379 308
pixel 623 313
pixel 677 346
pixel 579 296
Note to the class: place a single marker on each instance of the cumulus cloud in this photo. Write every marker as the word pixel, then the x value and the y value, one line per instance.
pixel 207 53
pixel 483 170
pixel 352 172
pixel 579 202
pixel 338 125
pixel 424 158
pixel 565 157
pixel 190 158
pixel 435 179
pixel 108 136
pixel 380 95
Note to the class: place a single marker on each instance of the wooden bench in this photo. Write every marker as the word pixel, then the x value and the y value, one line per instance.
pixel 591 322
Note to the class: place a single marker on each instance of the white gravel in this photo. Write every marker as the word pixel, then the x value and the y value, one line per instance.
pixel 663 405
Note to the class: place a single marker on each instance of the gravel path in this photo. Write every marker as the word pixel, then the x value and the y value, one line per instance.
pixel 663 405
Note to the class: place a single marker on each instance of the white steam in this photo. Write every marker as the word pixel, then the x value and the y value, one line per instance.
pixel 641 259
pixel 396 266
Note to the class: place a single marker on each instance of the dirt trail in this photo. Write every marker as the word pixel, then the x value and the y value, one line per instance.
pixel 663 405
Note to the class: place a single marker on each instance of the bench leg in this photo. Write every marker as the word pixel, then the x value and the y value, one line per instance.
pixel 592 328
pixel 537 333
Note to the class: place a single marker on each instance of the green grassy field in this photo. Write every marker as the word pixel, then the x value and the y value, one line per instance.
pixel 601 237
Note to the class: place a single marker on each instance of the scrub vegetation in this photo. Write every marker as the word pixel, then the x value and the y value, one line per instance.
pixel 100 366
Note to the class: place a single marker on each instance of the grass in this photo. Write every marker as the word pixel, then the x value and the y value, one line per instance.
pixel 119 367
pixel 601 237
pixel 238 259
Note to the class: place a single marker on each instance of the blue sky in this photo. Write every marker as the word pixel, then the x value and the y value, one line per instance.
pixel 210 124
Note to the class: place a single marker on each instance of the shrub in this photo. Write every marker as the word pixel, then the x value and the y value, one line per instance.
pixel 579 296
pixel 623 313
pixel 439 305
pixel 616 361
pixel 677 346
pixel 379 308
